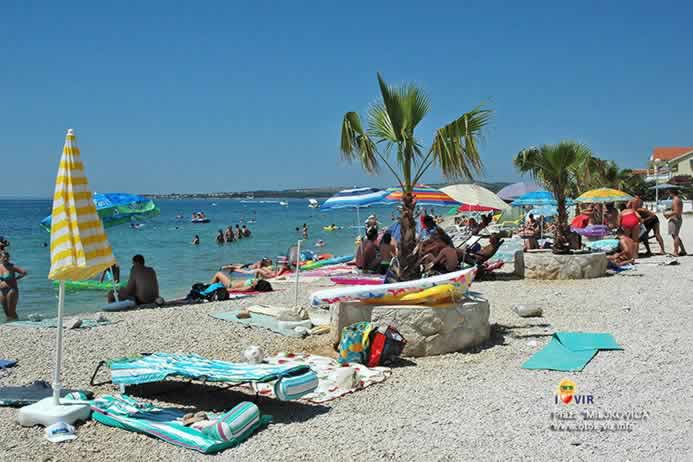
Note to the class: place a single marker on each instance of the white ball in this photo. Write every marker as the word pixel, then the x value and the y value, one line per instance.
pixel 253 354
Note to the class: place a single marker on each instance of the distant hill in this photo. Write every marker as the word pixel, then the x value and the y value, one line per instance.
pixel 302 193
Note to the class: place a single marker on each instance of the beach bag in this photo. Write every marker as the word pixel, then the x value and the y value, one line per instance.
pixel 354 342
pixel 386 344
pixel 210 292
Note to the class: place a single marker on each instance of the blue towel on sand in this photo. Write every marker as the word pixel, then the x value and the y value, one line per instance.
pixel 5 363
pixel 570 351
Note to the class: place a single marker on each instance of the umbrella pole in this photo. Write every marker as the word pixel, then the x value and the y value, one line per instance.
pixel 298 266
pixel 59 345
pixel 115 289
pixel 358 222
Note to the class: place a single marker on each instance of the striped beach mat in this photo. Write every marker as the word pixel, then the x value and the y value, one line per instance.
pixel 156 367
pixel 221 431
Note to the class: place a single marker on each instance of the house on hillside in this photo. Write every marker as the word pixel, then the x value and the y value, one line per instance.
pixel 670 162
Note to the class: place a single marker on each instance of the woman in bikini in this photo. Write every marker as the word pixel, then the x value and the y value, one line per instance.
pixel 629 221
pixel 9 290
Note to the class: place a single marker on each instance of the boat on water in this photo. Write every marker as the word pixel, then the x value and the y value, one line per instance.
pixel 250 197
pixel 283 203
pixel 313 204
pixel 199 217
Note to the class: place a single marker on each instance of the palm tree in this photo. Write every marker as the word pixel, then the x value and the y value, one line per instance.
pixel 390 141
pixel 552 165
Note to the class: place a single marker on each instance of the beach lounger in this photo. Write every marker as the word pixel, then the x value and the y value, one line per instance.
pixel 290 382
pixel 229 429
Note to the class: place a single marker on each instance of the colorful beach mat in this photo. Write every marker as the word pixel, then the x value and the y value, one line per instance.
pixel 570 351
pixel 222 432
pixel 334 379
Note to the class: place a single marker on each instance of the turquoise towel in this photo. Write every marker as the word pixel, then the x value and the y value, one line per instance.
pixel 570 351
pixel 267 322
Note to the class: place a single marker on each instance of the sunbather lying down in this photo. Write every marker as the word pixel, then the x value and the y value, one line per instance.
pixel 246 285
pixel 261 269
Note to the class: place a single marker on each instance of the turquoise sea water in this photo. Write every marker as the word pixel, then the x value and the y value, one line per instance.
pixel 165 242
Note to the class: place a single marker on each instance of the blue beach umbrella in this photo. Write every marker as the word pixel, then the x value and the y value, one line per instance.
pixel 354 198
pixel 535 198
pixel 117 208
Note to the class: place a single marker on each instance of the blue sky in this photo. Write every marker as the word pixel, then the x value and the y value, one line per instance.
pixel 225 96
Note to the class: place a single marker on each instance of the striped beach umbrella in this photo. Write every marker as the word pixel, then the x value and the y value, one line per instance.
pixel 424 195
pixel 603 195
pixel 79 247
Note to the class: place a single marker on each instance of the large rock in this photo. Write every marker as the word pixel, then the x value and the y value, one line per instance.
pixel 428 331
pixel 547 265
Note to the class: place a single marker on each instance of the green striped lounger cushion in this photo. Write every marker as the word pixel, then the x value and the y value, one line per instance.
pixel 235 426
pixel 156 367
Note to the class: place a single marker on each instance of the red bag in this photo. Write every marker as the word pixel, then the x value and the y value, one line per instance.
pixel 386 344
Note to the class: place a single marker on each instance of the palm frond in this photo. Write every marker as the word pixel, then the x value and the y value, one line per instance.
pixel 379 124
pixel 454 146
pixel 393 107
pixel 356 144
pixel 415 105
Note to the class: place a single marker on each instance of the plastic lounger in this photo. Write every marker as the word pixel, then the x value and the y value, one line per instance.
pixel 29 394
pixel 158 366
pixel 231 428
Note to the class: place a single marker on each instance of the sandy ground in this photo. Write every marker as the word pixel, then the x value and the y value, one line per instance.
pixel 464 406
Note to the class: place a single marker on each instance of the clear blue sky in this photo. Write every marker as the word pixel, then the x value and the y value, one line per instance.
pixel 225 96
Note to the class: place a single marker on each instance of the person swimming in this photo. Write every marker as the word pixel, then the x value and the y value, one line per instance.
pixel 220 237
pixel 196 240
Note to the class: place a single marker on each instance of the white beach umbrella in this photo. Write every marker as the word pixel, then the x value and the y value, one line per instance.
pixel 473 194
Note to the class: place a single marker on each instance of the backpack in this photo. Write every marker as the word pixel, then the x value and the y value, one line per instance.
pixel 210 292
pixel 354 342
pixel 386 344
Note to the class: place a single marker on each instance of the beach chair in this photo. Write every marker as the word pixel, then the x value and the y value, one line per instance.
pixel 228 429
pixel 291 383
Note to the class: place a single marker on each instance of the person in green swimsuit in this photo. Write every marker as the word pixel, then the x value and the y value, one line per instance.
pixel 9 290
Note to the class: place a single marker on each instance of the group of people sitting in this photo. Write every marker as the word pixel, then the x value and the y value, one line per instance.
pixel 373 255
pixel 435 252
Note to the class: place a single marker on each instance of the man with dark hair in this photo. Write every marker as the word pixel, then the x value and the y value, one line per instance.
pixel 367 257
pixel 675 217
pixel 142 287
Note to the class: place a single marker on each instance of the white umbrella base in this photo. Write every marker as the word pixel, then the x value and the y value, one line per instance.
pixel 46 413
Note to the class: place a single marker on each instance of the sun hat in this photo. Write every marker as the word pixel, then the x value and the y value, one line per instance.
pixel 60 431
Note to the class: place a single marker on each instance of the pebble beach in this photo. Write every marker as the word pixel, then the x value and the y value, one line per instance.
pixel 477 405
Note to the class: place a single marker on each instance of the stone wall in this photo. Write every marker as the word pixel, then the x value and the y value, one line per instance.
pixel 547 265
pixel 428 331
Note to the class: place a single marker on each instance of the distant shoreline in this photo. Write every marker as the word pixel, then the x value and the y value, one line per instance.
pixel 296 193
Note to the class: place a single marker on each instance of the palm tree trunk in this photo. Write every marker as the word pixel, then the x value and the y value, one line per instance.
pixel 408 268
pixel 560 243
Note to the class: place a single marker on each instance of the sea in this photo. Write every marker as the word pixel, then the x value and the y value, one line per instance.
pixel 165 242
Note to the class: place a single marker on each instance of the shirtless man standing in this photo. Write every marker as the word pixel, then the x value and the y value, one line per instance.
pixel 143 285
pixel 675 217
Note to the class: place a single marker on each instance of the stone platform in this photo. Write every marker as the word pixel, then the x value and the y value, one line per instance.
pixel 428 331
pixel 547 265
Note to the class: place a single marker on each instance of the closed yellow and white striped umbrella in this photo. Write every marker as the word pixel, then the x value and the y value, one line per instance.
pixel 79 246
